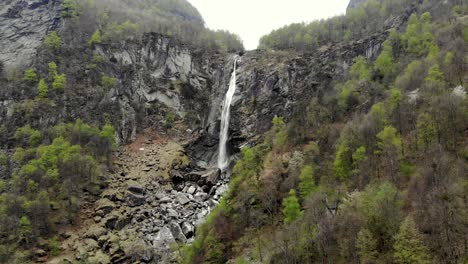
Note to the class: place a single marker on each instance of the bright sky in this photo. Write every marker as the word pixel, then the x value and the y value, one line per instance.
pixel 251 19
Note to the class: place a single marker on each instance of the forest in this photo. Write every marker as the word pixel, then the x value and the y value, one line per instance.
pixel 374 171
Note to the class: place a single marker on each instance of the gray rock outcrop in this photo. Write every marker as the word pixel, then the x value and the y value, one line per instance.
pixel 23 26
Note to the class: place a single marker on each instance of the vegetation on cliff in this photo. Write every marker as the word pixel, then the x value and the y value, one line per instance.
pixel 386 150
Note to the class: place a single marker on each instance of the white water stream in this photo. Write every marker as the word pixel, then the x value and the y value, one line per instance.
pixel 223 157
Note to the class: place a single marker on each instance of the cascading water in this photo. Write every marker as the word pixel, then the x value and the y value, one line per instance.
pixel 223 158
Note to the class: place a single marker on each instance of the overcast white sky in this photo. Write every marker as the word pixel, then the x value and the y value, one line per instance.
pixel 252 19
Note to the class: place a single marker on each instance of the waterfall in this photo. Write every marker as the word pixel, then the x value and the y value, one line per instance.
pixel 223 159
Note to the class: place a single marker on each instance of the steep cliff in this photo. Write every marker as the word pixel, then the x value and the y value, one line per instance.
pixel 23 26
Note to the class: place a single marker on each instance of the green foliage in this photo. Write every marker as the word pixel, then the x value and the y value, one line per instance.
pixel 24 228
pixel 411 77
pixel 291 208
pixel 97 58
pixel 223 40
pixel 359 22
pixel 358 157
pixel 347 93
pixel 306 182
pixel 418 37
pixel 435 76
pixel 28 136
pixel 367 247
pixel 409 246
pixel 170 119
pixel 69 9
pixel 448 58
pixel 116 32
pixel 95 38
pixel 389 140
pixel 278 124
pixel 385 63
pixel 108 134
pixel 343 163
pixel 54 246
pixel 53 70
pixel 108 82
pixel 360 69
pixel 51 175
pixel 381 206
pixel 53 41
pixel 60 82
pixel 43 89
pixel 30 75
pixel 379 113
pixel 433 53
pixel 426 129
pixel 280 136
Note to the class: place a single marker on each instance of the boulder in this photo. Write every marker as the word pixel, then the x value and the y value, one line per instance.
pixel 210 177
pixel 117 221
pixel 193 176
pixel 172 213
pixel 135 187
pixel 105 205
pixel 188 229
pixel 164 239
pixel 134 199
pixel 39 253
pixel 191 190
pixel 176 176
pixel 182 199
pixel 95 232
pixel 177 232
pixel 201 197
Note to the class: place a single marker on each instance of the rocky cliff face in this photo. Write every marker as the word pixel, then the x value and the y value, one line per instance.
pixel 355 3
pixel 23 25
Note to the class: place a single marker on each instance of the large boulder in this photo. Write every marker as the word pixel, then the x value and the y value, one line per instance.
pixel 177 232
pixel 182 199
pixel 210 177
pixel 135 187
pixel 105 205
pixel 134 199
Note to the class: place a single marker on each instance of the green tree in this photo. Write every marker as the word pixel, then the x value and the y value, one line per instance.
pixel 409 247
pixel 108 82
pixel 280 136
pixel 95 38
pixel 427 130
pixel 435 75
pixel 291 207
pixel 385 63
pixel 60 81
pixel 389 148
pixel 25 229
pixel 43 89
pixel 306 181
pixel 30 75
pixel 69 8
pixel 28 136
pixel 367 247
pixel 360 69
pixel 359 156
pixel 53 41
pixel 54 246
pixel 343 163
pixel 53 70
pixel 381 206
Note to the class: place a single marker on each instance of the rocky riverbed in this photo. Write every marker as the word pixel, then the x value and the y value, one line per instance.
pixel 155 199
